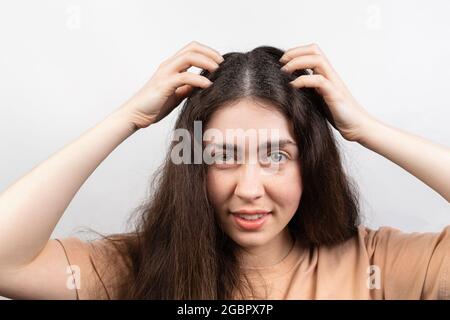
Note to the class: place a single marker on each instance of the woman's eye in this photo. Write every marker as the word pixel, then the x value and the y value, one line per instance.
pixel 222 157
pixel 277 156
pixel 229 158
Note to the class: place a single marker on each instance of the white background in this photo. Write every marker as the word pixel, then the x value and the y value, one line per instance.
pixel 65 65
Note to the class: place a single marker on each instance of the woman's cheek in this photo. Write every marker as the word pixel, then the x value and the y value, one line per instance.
pixel 217 185
pixel 287 188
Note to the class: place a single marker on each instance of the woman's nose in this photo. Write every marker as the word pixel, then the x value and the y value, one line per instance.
pixel 249 185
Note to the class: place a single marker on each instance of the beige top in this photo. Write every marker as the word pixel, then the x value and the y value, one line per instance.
pixel 376 264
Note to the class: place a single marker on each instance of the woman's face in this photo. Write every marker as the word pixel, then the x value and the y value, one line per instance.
pixel 273 184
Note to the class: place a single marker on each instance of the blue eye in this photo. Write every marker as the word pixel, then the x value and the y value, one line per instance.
pixel 278 156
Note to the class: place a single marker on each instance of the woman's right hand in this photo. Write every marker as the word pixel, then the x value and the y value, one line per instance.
pixel 170 84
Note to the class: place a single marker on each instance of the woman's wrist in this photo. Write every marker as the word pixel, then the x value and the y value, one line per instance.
pixel 371 127
pixel 134 119
pixel 125 118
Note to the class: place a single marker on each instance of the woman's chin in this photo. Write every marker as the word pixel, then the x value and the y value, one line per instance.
pixel 249 240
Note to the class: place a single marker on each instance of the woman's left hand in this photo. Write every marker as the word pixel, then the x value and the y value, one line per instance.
pixel 350 118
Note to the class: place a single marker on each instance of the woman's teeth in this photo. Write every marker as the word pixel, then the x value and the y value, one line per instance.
pixel 250 217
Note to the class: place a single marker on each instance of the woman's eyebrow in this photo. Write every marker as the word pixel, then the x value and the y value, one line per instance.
pixel 281 144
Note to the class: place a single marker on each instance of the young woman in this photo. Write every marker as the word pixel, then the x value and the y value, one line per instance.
pixel 232 229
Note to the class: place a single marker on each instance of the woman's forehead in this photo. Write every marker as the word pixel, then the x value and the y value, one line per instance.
pixel 248 114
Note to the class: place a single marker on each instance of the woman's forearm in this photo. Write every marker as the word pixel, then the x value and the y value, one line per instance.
pixel 427 161
pixel 31 207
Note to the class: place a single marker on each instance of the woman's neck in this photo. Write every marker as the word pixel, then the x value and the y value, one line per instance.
pixel 269 254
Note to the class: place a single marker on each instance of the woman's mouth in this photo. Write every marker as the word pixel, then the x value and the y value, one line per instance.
pixel 249 221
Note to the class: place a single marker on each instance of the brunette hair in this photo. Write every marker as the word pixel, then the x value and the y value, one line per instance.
pixel 177 249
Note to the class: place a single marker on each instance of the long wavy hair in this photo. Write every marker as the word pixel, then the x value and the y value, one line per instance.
pixel 177 249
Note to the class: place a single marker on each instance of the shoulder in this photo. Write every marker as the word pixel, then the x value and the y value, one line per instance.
pixel 390 238
pixel 414 262
pixel 386 244
pixel 410 264
pixel 101 264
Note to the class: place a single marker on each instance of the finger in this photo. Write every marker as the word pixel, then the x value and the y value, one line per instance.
pixel 323 85
pixel 183 91
pixel 195 46
pixel 301 51
pixel 314 62
pixel 189 78
pixel 192 59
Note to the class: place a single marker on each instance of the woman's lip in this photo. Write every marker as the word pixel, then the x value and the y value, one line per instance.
pixel 250 224
pixel 250 212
